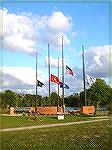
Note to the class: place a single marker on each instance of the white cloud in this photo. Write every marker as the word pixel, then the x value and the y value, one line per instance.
pixel 56 40
pixel 17 43
pixel 58 22
pixel 25 74
pixel 97 59
pixel 53 27
pixel 22 32
pixel 23 78
pixel 11 82
pixel 54 61
pixel 18 32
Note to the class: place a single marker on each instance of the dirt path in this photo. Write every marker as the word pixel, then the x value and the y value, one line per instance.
pixel 50 125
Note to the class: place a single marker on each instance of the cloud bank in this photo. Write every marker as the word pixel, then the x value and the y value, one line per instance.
pixel 22 33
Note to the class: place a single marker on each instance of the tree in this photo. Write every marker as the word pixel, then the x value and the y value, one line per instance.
pixel 110 102
pixel 72 100
pixel 99 93
pixel 54 99
pixel 82 98
pixel 10 98
pixel 48 103
pixel 28 100
pixel 3 102
pixel 43 101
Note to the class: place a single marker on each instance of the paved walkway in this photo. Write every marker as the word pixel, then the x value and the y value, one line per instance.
pixel 51 125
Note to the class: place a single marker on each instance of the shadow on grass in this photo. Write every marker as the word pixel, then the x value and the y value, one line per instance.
pixel 54 117
pixel 82 115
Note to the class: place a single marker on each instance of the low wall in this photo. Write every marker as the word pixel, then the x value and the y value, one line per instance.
pixel 40 110
pixel 88 110
pixel 49 110
pixel 12 111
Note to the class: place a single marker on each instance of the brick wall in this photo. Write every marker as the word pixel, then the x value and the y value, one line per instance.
pixel 41 110
pixel 88 110
pixel 12 111
pixel 49 110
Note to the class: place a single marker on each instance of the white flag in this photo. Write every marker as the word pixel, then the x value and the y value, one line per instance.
pixel 90 80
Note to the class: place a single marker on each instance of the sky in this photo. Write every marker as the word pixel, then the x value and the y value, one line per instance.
pixel 27 28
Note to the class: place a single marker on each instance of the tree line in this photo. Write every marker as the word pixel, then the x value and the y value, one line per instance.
pixel 98 94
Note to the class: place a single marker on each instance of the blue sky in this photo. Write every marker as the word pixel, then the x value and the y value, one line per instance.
pixel 79 23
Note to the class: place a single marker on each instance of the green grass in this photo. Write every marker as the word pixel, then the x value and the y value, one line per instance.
pixel 89 136
pixel 102 113
pixel 21 121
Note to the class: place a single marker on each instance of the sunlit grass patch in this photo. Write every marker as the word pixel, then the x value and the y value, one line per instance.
pixel 90 136
pixel 21 121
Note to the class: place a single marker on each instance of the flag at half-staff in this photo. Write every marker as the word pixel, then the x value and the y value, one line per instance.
pixel 65 86
pixel 39 83
pixel 69 71
pixel 90 80
pixel 54 78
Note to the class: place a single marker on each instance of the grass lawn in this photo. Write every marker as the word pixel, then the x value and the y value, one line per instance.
pixel 21 121
pixel 89 136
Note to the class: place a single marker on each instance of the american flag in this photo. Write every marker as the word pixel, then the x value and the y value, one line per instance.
pixel 69 71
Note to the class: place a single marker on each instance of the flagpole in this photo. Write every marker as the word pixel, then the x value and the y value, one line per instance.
pixel 36 86
pixel 49 68
pixel 62 76
pixel 58 84
pixel 84 75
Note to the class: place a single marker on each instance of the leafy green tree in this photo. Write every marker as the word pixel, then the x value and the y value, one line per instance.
pixel 48 102
pixel 99 93
pixel 54 99
pixel 33 97
pixel 28 100
pixel 110 102
pixel 82 98
pixel 43 101
pixel 2 100
pixel 72 101
pixel 11 98
pixel 25 101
